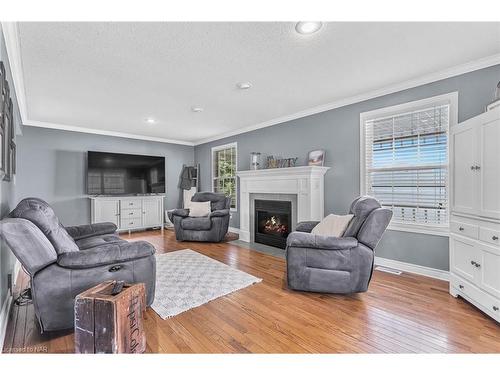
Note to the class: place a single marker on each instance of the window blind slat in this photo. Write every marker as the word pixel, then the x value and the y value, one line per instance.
pixel 407 164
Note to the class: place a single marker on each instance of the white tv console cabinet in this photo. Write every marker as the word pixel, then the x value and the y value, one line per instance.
pixel 128 212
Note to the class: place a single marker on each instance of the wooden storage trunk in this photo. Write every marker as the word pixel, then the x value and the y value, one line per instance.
pixel 110 324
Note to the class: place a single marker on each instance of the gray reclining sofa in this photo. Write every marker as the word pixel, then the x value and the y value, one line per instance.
pixel 212 228
pixel 337 264
pixel 63 262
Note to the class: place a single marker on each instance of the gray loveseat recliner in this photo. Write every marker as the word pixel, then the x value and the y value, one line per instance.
pixel 337 264
pixel 63 262
pixel 211 228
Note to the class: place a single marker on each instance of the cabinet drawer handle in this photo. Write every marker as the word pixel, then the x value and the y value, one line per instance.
pixel 494 238
pixel 461 229
pixel 472 168
pixel 495 308
pixel 473 263
pixel 461 286
pixel 131 213
pixel 115 268
pixel 477 265
pixel 131 223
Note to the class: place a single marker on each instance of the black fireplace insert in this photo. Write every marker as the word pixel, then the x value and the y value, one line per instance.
pixel 273 222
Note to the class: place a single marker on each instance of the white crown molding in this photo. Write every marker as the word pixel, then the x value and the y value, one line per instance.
pixel 429 78
pixel 42 124
pixel 11 35
pixel 413 268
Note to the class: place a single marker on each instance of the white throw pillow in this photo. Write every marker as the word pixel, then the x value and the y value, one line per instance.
pixel 332 225
pixel 199 209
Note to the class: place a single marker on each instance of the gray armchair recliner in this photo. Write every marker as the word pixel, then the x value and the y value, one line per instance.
pixel 63 262
pixel 337 264
pixel 212 228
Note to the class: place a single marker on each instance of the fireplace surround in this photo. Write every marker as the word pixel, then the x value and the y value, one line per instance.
pixel 273 222
pixel 303 186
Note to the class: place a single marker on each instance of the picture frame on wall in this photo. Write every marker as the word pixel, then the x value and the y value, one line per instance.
pixel 3 96
pixel 316 157
pixel 8 135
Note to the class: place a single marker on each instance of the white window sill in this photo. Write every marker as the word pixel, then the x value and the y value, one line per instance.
pixel 422 229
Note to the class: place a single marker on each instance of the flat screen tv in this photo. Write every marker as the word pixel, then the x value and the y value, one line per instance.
pixel 122 174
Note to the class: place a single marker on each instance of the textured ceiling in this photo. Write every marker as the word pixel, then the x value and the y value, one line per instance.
pixel 111 76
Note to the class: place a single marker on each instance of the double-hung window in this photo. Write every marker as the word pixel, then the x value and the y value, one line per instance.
pixel 404 158
pixel 224 167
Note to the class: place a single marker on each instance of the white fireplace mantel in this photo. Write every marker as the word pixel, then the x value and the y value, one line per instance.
pixel 307 183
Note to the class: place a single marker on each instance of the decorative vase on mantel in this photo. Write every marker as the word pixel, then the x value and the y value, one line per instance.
pixel 254 160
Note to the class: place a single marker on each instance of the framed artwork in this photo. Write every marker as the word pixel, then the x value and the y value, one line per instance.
pixel 13 158
pixel 8 137
pixel 3 97
pixel 316 157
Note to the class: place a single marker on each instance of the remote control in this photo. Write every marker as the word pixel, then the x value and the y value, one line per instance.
pixel 117 288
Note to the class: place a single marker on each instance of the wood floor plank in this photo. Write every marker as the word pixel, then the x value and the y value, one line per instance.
pixel 398 314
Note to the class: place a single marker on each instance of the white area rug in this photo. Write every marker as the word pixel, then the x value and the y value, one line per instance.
pixel 186 279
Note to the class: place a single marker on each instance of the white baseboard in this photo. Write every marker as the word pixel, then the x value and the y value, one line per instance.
pixel 234 230
pixel 4 317
pixel 413 268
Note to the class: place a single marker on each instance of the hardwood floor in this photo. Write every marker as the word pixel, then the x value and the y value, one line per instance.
pixel 398 314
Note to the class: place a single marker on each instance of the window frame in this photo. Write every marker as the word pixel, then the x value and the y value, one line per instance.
pixel 213 151
pixel 450 99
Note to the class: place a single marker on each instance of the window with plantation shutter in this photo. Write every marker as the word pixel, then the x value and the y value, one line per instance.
pixel 406 161
pixel 224 167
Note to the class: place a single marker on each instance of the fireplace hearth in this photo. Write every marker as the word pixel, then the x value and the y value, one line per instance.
pixel 273 221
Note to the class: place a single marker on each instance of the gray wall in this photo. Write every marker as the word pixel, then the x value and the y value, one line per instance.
pixel 7 189
pixel 337 131
pixel 52 165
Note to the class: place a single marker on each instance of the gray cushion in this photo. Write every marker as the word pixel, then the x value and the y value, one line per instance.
pixel 306 226
pixel 219 213
pixel 84 231
pixel 374 227
pixel 28 243
pixel 360 208
pixel 87 243
pixel 218 201
pixel 196 223
pixel 106 254
pixel 308 240
pixel 43 216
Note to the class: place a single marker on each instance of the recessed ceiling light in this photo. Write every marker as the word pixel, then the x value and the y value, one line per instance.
pixel 197 109
pixel 244 85
pixel 150 120
pixel 308 27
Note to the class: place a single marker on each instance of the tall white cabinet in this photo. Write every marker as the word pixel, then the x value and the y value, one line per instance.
pixel 475 211
pixel 128 213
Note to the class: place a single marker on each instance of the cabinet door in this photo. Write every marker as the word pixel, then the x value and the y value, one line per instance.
pixel 464 256
pixel 490 269
pixel 152 212
pixel 489 163
pixel 464 176
pixel 108 210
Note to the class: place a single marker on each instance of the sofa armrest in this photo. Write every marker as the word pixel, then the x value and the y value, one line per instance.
pixel 182 212
pixel 219 213
pixel 108 254
pixel 79 232
pixel 314 241
pixel 306 226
